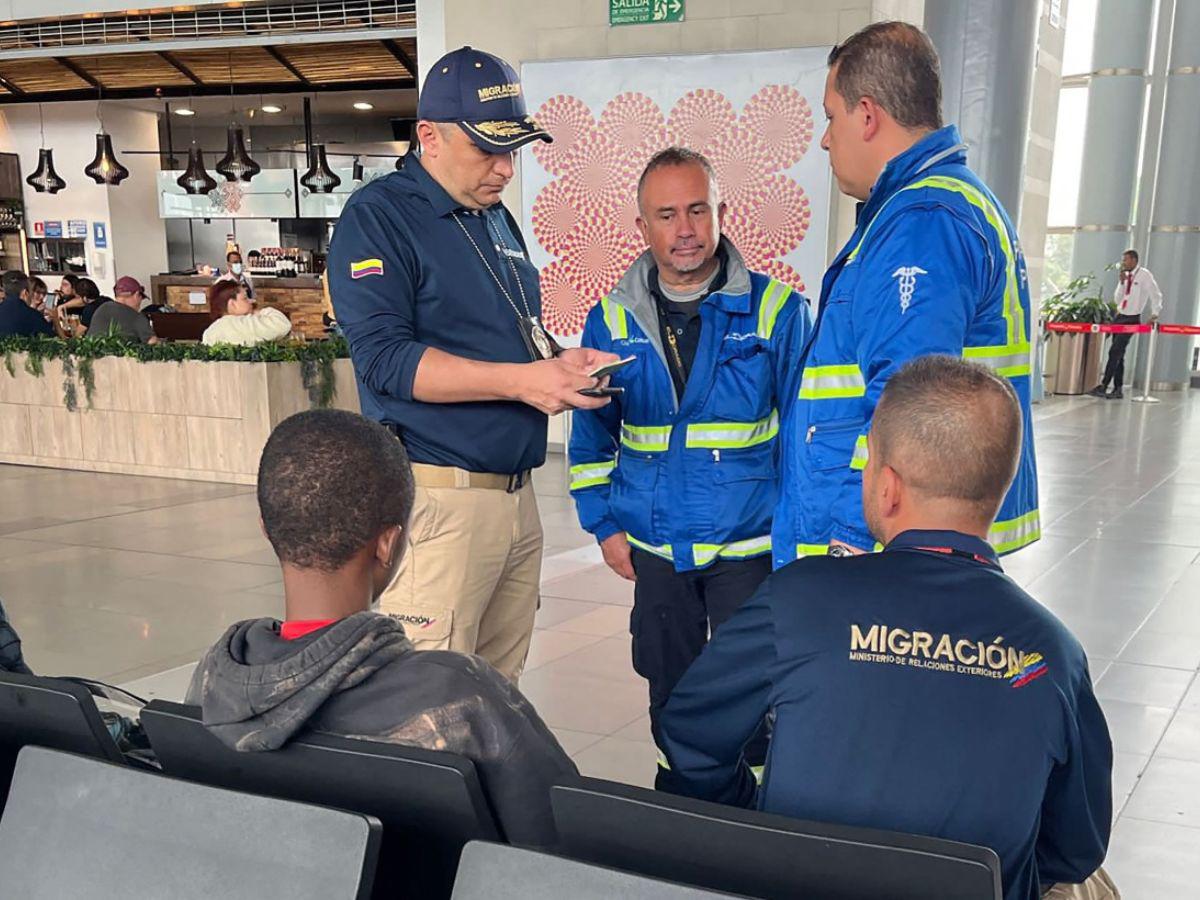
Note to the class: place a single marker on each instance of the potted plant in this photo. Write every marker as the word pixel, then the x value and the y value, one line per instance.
pixel 1075 357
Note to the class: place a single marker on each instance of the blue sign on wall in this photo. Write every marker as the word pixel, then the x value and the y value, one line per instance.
pixel 77 228
pixel 100 235
pixel 53 229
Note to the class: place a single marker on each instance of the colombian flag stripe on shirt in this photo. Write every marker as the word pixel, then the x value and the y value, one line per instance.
pixel 366 267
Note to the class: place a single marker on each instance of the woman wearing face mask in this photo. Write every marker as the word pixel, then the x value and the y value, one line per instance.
pixel 235 271
pixel 235 321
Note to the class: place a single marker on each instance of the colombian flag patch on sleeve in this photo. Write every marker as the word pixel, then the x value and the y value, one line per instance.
pixel 365 267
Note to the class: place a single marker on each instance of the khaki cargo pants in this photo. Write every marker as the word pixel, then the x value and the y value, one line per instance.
pixel 471 573
pixel 1098 887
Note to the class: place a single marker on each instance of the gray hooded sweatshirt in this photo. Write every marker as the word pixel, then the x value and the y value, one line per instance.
pixel 361 678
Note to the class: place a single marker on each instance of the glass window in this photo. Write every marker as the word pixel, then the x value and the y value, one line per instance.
pixel 1081 31
pixel 1068 156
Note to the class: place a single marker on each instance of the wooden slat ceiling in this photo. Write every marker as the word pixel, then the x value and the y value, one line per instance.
pixel 251 65
pixel 355 61
pixel 40 76
pixel 121 71
pixel 329 64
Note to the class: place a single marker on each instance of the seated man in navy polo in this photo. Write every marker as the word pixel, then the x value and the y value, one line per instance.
pixel 917 690
pixel 16 315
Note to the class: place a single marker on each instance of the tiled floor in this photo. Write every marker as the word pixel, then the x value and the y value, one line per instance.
pixel 129 579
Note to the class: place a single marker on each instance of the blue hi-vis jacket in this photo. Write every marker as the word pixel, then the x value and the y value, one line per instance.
pixel 933 267
pixel 917 690
pixel 691 479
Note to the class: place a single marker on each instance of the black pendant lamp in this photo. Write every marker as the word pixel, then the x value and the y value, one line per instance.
pixel 195 179
pixel 45 180
pixel 320 179
pixel 356 174
pixel 105 169
pixel 236 164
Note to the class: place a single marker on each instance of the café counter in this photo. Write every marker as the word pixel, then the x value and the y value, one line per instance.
pixel 301 299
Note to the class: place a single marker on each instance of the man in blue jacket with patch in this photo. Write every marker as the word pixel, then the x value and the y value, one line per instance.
pixel 677 477
pixel 934 266
pixel 919 689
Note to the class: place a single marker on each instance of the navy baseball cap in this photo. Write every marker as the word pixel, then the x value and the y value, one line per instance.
pixel 482 94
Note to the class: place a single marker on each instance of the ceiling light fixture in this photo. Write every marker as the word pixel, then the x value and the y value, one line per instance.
pixel 195 178
pixel 272 108
pixel 320 179
pixel 185 111
pixel 45 179
pixel 363 105
pixel 237 165
pixel 104 167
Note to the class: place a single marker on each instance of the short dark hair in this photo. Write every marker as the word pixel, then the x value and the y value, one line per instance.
pixel 952 429
pixel 1134 254
pixel 72 279
pixel 678 156
pixel 329 481
pixel 219 295
pixel 14 281
pixel 87 289
pixel 896 65
pixel 36 284
pixel 237 253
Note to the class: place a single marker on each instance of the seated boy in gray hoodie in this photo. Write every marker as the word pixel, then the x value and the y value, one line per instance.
pixel 335 491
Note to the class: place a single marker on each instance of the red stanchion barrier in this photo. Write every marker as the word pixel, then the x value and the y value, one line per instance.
pixel 1178 329
pixel 1097 328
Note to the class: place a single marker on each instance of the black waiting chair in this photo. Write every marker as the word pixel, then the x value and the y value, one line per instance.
pixel 500 872
pixel 430 803
pixel 760 855
pixel 85 829
pixel 49 712
pixel 176 326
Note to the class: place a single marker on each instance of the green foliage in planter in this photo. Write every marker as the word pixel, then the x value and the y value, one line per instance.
pixel 1080 301
pixel 78 355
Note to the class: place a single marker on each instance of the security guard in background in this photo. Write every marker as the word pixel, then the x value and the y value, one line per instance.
pixel 933 267
pixel 916 690
pixel 677 478
pixel 435 293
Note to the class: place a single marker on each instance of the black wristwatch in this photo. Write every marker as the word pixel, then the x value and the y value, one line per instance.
pixel 840 550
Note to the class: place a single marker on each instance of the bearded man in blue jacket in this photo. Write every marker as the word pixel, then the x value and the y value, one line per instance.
pixel 933 266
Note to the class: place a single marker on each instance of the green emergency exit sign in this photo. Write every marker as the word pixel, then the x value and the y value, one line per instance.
pixel 642 12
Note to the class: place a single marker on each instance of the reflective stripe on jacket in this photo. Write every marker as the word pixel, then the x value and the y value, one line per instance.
pixel 934 266
pixel 691 479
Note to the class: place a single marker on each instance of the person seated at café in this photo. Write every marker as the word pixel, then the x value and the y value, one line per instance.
pixel 17 317
pixel 917 690
pixel 84 305
pixel 68 301
pixel 122 316
pixel 337 666
pixel 235 271
pixel 37 296
pixel 66 290
pixel 11 659
pixel 236 321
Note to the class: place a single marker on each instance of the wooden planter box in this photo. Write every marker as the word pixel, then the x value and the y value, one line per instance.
pixel 206 421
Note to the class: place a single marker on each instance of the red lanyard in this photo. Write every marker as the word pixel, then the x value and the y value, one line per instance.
pixel 962 554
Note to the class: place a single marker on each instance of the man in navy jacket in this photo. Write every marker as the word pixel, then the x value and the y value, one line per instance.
pixel 920 689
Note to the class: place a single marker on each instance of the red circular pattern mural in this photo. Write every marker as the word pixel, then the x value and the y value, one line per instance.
pixel 585 217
